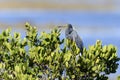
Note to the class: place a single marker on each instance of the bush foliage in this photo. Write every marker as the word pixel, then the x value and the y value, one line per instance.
pixel 47 57
pixel 118 77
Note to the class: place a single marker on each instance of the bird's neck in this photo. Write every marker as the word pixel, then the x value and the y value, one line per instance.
pixel 69 31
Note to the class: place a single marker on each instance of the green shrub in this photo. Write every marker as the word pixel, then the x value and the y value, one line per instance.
pixel 42 57
pixel 118 78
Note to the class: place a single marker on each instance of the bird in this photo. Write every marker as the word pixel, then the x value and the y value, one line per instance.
pixel 71 34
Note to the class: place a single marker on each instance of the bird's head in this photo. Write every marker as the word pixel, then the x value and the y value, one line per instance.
pixel 68 28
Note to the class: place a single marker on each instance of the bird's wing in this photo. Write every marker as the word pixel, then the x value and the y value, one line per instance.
pixel 77 40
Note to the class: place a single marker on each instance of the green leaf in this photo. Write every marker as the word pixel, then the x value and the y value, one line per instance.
pixel 66 64
pixel 94 68
pixel 67 56
pixel 104 48
pixel 73 76
pixel 17 68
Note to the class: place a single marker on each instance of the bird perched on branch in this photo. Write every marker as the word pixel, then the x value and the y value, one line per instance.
pixel 71 34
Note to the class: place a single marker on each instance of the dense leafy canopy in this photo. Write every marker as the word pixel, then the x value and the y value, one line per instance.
pixel 48 57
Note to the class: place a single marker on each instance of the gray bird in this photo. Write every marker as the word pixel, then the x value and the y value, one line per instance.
pixel 71 34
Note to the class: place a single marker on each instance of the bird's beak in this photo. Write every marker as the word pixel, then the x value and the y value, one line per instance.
pixel 61 27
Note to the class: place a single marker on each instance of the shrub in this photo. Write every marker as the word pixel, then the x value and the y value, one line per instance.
pixel 42 57
pixel 118 78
